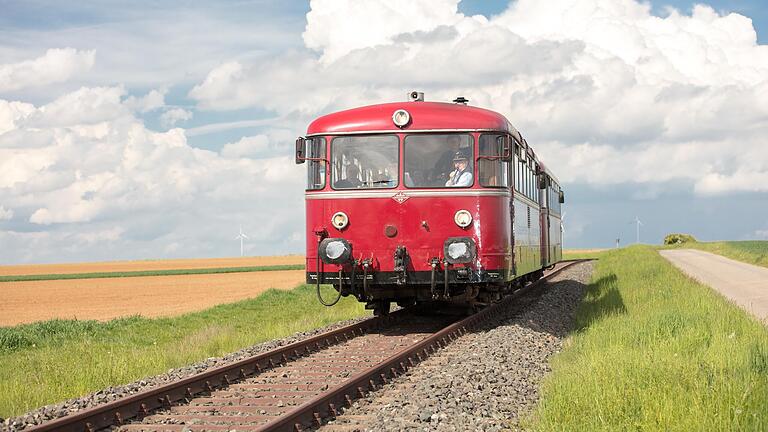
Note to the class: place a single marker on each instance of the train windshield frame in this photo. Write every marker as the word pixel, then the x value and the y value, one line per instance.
pixel 365 162
pixel 493 171
pixel 435 160
pixel 315 168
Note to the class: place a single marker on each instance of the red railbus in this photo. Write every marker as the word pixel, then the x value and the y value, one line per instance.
pixel 417 202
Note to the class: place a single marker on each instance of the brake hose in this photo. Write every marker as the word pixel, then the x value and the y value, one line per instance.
pixel 319 295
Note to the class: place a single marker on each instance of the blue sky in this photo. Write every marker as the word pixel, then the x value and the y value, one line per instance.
pixel 149 130
pixel 754 9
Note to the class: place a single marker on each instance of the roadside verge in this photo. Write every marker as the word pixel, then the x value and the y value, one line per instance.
pixel 654 350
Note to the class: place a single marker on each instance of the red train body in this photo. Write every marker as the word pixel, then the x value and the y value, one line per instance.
pixel 418 202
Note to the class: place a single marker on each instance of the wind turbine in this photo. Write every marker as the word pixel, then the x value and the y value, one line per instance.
pixel 638 223
pixel 562 231
pixel 241 237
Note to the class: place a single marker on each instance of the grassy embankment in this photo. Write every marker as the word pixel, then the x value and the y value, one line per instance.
pixel 140 273
pixel 51 361
pixel 571 254
pixel 750 251
pixel 654 350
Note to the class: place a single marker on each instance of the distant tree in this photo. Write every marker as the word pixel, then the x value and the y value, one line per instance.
pixel 673 239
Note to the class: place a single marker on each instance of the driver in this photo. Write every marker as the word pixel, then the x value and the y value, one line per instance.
pixel 461 175
pixel 444 165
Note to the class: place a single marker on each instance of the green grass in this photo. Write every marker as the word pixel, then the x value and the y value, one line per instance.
pixel 751 251
pixel 176 272
pixel 654 350
pixel 51 361
pixel 578 254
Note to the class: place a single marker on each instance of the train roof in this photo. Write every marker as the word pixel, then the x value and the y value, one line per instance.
pixel 549 173
pixel 425 116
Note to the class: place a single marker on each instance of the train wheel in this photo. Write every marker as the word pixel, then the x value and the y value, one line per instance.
pixel 381 308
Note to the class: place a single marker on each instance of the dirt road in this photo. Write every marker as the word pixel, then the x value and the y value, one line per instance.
pixel 744 284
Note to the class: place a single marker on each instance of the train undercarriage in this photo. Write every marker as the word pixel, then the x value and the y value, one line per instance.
pixel 424 290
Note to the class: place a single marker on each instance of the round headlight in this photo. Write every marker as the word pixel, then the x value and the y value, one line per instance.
pixel 457 250
pixel 401 118
pixel 339 220
pixel 335 249
pixel 462 218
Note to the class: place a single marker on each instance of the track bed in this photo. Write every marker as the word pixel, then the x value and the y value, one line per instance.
pixel 293 387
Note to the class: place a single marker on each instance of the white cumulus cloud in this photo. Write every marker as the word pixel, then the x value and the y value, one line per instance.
pixel 252 146
pixel 351 23
pixel 96 174
pixel 175 115
pixel 151 101
pixel 56 65
pixel 605 91
pixel 5 214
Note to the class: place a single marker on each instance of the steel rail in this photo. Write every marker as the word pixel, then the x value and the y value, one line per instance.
pixel 141 404
pixel 325 405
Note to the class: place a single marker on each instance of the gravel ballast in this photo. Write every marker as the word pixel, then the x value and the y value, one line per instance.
pixel 100 397
pixel 484 381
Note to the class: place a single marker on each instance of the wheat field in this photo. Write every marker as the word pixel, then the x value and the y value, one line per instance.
pixel 151 296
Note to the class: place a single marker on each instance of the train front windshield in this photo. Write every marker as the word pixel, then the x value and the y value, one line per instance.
pixel 364 162
pixel 440 160
pixel 430 161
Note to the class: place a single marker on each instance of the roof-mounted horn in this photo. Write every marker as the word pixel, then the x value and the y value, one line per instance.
pixel 416 96
pixel 461 100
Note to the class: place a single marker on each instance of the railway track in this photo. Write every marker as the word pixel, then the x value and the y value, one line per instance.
pixel 292 388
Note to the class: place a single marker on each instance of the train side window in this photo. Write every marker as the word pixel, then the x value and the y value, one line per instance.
pixel 550 194
pixel 525 182
pixel 528 182
pixel 511 171
pixel 554 198
pixel 492 172
pixel 316 169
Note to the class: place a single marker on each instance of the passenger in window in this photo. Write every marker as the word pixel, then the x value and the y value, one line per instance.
pixel 462 174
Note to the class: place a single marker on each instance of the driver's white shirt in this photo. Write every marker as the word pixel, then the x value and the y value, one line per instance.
pixel 464 179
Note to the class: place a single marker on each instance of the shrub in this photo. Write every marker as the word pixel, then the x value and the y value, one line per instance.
pixel 672 239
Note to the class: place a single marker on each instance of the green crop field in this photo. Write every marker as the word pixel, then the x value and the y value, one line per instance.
pixel 51 361
pixel 654 350
pixel 140 273
pixel 750 251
